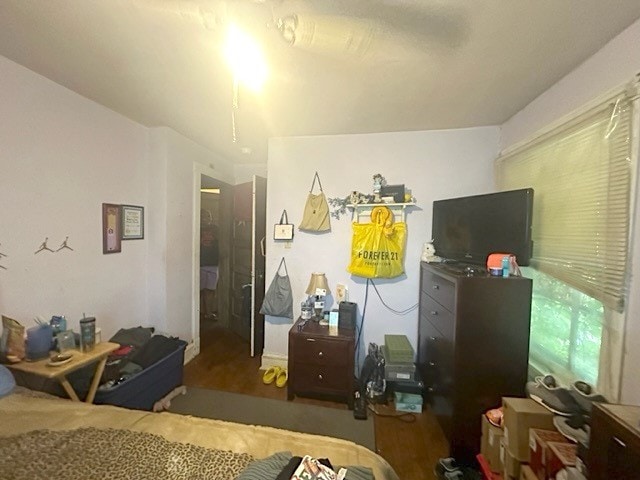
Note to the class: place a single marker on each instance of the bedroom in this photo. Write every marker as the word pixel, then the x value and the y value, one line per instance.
pixel 69 164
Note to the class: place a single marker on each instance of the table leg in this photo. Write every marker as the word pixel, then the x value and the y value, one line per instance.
pixel 96 380
pixel 69 389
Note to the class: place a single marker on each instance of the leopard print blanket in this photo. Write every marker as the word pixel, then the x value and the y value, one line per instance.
pixel 101 454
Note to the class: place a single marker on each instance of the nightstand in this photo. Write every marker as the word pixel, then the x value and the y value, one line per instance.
pixel 321 361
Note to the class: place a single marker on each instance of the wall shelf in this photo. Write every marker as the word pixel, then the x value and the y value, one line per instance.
pixel 364 209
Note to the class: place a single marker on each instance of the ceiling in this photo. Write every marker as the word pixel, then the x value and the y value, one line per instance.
pixel 365 65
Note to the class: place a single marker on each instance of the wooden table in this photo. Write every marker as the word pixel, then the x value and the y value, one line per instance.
pixel 79 360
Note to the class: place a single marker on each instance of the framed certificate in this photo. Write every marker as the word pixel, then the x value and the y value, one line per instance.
pixel 132 222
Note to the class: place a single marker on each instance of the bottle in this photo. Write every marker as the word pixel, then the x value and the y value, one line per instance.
pixel 505 266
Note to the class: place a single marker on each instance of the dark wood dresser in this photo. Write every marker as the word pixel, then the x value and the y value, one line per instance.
pixel 473 348
pixel 321 363
pixel 614 447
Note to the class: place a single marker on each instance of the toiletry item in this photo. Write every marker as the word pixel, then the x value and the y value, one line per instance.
pixel 87 333
pixel 505 266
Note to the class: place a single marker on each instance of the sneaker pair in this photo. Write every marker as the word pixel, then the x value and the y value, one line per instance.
pixel 448 469
pixel 576 427
pixel 576 400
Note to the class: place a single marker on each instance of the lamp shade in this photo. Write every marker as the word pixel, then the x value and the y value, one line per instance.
pixel 318 280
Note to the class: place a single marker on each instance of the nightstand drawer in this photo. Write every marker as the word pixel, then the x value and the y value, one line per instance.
pixel 320 351
pixel 436 314
pixel 441 290
pixel 315 378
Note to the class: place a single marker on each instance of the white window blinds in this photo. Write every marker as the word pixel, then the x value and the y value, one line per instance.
pixel 581 176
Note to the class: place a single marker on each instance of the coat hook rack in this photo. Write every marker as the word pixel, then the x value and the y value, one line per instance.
pixel 64 245
pixel 43 246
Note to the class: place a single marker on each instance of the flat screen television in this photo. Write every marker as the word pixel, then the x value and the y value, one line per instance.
pixel 468 229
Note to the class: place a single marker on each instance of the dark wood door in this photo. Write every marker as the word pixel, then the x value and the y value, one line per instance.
pixel 248 262
pixel 258 267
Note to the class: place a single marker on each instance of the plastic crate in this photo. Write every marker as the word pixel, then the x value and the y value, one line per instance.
pixel 408 402
pixel 144 389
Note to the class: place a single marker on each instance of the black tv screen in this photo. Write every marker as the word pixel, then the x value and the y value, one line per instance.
pixel 468 229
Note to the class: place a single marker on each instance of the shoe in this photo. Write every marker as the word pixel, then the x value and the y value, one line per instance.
pixel 576 428
pixel 449 464
pixel 270 375
pixel 584 395
pixel 281 378
pixel 550 394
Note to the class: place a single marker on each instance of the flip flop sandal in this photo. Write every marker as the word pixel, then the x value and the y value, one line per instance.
pixel 281 378
pixel 270 375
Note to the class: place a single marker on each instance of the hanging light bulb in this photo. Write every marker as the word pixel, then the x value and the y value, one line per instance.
pixel 245 59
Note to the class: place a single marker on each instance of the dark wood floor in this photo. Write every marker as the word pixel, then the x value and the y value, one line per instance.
pixel 224 363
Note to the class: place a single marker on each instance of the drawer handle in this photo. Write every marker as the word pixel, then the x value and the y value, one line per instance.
pixel 432 364
pixel 434 312
pixel 319 354
pixel 619 442
pixel 431 389
pixel 310 339
pixel 436 287
pixel 320 377
pixel 432 339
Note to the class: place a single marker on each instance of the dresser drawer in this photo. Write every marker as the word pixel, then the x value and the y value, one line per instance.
pixel 436 314
pixel 436 356
pixel 440 289
pixel 320 351
pixel 320 379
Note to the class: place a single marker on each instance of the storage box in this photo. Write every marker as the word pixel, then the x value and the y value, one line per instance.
pixel 142 390
pixel 408 402
pixel 539 449
pixel 397 371
pixel 521 414
pixel 511 465
pixel 486 472
pixel 490 444
pixel 561 455
pixel 398 349
pixel 526 473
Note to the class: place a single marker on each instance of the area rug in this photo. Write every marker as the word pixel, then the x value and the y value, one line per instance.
pixel 234 407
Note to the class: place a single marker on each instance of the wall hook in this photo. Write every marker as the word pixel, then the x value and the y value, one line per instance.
pixel 64 245
pixel 43 246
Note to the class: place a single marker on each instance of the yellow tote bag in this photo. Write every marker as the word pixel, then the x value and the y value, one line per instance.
pixel 377 248
pixel 316 211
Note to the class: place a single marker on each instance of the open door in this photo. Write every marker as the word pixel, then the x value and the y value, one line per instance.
pixel 248 262
pixel 258 263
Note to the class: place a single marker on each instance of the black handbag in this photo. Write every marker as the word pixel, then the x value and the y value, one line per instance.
pixel 284 229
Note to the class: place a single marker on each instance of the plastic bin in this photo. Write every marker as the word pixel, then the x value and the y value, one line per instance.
pixel 144 389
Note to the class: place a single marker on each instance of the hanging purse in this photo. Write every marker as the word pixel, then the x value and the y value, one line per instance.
pixel 278 301
pixel 284 229
pixel 316 211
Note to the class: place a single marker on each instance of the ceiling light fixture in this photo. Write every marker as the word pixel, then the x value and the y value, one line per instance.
pixel 210 190
pixel 245 59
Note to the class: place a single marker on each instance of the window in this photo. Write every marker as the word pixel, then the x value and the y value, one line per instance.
pixel 581 176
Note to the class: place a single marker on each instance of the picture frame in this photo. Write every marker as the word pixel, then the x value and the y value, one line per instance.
pixel 111 228
pixel 132 222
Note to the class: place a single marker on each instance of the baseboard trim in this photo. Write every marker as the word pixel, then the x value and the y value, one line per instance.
pixel 192 350
pixel 273 360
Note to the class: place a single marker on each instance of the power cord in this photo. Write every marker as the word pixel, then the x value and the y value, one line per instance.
pixel 405 417
pixel 392 310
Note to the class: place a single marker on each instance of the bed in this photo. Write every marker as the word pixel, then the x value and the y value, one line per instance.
pixel 48 437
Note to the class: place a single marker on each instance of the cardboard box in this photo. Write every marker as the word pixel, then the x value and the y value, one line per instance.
pixel 539 449
pixel 490 444
pixel 521 414
pixel 561 455
pixel 511 465
pixel 527 474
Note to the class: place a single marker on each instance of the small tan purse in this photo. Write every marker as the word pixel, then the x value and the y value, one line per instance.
pixel 316 211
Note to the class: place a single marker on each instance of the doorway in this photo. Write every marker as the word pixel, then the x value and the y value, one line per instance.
pixel 231 280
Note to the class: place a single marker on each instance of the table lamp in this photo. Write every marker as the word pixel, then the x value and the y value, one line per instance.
pixel 318 287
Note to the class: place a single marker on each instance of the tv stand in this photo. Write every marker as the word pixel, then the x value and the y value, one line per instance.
pixel 473 348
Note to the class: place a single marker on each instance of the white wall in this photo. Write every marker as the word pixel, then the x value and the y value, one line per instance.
pixel 244 172
pixel 616 63
pixel 61 157
pixel 175 165
pixel 434 165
